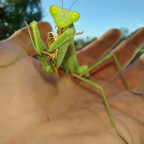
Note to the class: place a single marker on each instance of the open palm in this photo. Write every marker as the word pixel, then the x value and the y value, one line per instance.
pixel 37 108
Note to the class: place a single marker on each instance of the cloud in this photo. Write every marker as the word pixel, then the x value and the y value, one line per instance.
pixel 140 25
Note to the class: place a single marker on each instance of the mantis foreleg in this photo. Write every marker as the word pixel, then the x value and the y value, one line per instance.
pixel 37 42
pixel 106 102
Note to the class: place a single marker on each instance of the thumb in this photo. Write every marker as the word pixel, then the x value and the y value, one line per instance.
pixel 21 39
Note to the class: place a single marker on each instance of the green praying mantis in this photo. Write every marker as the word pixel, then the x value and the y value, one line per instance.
pixel 59 53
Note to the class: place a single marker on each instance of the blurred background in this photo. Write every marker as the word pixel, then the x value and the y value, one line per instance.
pixel 96 17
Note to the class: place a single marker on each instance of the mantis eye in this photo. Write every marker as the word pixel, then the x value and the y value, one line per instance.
pixel 74 16
pixel 53 10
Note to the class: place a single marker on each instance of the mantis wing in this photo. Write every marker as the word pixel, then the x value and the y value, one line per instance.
pixel 66 55
pixel 70 63
pixel 62 43
pixel 61 53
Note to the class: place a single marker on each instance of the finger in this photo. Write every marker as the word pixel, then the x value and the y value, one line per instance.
pixel 134 75
pixel 128 48
pixel 20 39
pixel 97 49
pixel 124 53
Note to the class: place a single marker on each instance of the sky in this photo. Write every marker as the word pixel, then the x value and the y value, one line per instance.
pixel 99 16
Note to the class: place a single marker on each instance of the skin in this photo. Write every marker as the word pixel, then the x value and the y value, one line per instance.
pixel 76 110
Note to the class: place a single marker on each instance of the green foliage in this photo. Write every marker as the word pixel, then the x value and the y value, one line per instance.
pixel 14 12
pixel 125 33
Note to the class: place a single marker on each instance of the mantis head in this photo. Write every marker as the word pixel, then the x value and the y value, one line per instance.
pixel 63 17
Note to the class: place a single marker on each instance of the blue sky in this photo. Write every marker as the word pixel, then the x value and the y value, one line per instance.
pixel 98 16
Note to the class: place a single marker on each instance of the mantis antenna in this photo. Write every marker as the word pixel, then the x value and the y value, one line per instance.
pixel 62 3
pixel 73 4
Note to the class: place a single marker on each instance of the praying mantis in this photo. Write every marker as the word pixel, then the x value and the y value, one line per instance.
pixel 59 53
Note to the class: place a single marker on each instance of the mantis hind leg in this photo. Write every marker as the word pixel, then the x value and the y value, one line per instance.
pixel 17 58
pixel 106 102
pixel 118 65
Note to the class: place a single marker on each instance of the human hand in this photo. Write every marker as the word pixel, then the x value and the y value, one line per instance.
pixel 76 110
